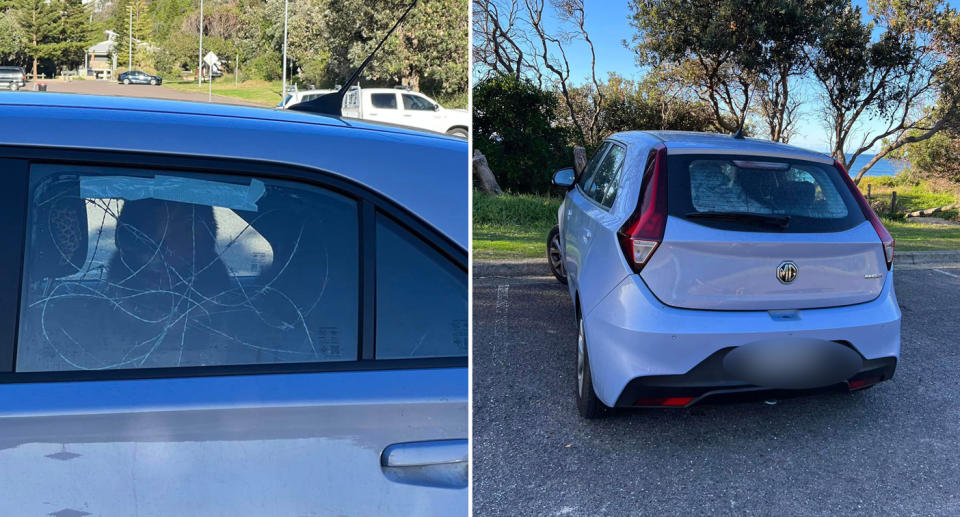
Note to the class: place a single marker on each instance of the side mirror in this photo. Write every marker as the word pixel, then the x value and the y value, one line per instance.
pixel 436 107
pixel 564 178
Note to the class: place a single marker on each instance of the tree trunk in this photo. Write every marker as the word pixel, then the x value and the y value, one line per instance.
pixel 483 176
pixel 579 160
pixel 931 211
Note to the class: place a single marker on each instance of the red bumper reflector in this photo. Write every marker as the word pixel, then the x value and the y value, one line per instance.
pixel 664 401
pixel 862 383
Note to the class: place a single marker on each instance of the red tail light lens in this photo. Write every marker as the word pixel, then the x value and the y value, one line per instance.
pixel 863 383
pixel 643 232
pixel 664 401
pixel 885 237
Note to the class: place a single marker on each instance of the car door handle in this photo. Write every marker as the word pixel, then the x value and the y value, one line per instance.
pixel 437 463
pixel 586 236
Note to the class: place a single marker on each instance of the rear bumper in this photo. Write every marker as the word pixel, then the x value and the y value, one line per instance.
pixel 640 348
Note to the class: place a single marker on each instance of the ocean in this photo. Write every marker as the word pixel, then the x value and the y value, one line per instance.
pixel 884 167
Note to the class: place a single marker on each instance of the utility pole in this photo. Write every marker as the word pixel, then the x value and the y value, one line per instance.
pixel 283 91
pixel 236 71
pixel 130 39
pixel 200 52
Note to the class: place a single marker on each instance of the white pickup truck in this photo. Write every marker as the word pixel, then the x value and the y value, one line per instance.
pixel 395 106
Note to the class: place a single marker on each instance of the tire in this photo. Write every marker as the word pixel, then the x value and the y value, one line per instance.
pixel 126 81
pixel 589 406
pixel 458 132
pixel 153 82
pixel 14 87
pixel 555 255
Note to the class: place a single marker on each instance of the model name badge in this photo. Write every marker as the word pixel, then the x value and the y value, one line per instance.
pixel 874 275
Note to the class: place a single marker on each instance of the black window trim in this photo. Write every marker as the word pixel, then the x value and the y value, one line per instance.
pixel 369 203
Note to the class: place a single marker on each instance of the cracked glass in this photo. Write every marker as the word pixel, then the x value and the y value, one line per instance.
pixel 127 268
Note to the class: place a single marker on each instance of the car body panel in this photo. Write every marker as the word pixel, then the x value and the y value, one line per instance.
pixel 326 143
pixel 279 444
pixel 697 267
pixel 632 334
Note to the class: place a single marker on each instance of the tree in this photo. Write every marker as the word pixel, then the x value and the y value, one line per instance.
pixel 36 20
pixel 138 40
pixel 515 125
pixel 905 83
pixel 71 34
pixel 739 57
pixel 12 41
pixel 430 46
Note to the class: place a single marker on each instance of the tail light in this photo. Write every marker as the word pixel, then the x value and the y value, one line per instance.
pixel 642 233
pixel 663 401
pixel 885 237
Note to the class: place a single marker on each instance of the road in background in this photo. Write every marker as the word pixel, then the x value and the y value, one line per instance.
pixel 888 450
pixel 102 87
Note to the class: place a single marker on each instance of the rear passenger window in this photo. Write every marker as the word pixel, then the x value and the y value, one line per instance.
pixel 606 174
pixel 421 298
pixel 384 100
pixel 130 269
pixel 591 168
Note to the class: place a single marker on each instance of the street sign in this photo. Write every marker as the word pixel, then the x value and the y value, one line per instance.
pixel 211 59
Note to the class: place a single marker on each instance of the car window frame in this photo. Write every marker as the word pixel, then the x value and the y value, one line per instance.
pixel 588 174
pixel 617 175
pixel 16 161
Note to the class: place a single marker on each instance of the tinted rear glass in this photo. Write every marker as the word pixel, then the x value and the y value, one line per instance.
pixel 812 194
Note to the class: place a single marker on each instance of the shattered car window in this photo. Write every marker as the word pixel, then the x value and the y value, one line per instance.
pixel 726 186
pixel 126 269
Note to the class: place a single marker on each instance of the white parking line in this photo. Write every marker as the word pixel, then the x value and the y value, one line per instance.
pixel 947 273
pixel 503 308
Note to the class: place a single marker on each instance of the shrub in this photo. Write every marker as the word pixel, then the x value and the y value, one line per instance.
pixel 517 127
pixel 266 66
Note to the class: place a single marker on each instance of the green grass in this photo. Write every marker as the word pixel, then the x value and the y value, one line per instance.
pixel 266 93
pixel 910 196
pixel 515 226
pixel 512 226
pixel 911 236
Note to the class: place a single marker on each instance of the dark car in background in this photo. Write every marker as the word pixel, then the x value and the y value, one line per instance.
pixel 12 77
pixel 139 77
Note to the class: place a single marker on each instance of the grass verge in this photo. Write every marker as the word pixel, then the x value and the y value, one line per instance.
pixel 265 93
pixel 515 226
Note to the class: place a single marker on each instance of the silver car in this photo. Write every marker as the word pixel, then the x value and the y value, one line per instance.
pixel 707 267
pixel 216 310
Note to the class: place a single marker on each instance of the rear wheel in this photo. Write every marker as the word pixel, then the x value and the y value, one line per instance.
pixel 458 132
pixel 587 402
pixel 126 81
pixel 555 255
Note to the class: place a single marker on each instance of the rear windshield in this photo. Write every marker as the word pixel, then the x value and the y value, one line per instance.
pixel 801 196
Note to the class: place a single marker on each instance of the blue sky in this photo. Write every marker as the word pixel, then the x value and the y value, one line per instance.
pixel 608 25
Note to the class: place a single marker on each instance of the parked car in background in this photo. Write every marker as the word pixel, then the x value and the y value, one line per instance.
pixel 12 77
pixel 139 77
pixel 224 311
pixel 406 108
pixel 296 96
pixel 705 266
pixel 398 106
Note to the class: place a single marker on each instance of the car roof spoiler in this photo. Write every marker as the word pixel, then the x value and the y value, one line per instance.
pixel 332 103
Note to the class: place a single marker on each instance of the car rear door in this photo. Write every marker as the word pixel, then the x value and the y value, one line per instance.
pixel 382 107
pixel 199 337
pixel 736 220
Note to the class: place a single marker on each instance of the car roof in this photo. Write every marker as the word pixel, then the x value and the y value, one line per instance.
pixel 682 142
pixel 426 173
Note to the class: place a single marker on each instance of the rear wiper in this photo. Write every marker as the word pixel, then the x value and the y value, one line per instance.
pixel 781 221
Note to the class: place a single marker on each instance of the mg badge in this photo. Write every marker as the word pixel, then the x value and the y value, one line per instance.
pixel 787 272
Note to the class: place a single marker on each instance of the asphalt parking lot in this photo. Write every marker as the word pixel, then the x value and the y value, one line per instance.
pixel 103 87
pixel 889 450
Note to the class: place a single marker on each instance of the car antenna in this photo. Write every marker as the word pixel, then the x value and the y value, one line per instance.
pixel 332 103
pixel 739 133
